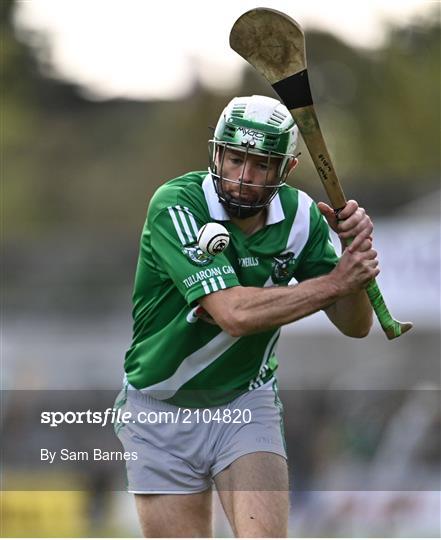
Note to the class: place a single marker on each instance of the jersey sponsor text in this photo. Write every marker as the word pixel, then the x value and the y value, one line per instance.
pixel 246 262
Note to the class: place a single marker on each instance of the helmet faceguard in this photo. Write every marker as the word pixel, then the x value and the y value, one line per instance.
pixel 255 125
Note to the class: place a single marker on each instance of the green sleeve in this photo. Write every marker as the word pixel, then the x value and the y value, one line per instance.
pixel 177 256
pixel 318 256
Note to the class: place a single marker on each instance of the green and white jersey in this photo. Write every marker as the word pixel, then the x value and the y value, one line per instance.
pixel 179 358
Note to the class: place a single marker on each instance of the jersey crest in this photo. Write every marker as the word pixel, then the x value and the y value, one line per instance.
pixel 196 256
pixel 283 268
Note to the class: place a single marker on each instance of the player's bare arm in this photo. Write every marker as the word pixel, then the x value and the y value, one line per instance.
pixel 246 310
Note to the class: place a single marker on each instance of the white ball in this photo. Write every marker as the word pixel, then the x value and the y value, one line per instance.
pixel 213 238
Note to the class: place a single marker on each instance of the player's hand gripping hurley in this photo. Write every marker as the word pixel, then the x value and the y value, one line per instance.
pixel 274 44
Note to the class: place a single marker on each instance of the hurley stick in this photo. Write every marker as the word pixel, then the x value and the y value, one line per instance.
pixel 274 44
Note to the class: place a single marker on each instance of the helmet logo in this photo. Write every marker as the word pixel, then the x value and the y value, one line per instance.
pixel 251 133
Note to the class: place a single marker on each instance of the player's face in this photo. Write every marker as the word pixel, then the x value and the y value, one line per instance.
pixel 247 178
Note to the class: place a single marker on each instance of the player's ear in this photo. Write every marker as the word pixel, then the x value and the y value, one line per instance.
pixel 293 164
pixel 219 153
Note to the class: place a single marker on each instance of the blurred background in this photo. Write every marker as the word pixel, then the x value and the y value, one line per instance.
pixel 104 101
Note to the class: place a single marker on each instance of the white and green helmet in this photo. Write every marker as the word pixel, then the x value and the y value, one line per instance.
pixel 256 125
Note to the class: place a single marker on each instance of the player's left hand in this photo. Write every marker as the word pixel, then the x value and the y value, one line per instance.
pixel 352 222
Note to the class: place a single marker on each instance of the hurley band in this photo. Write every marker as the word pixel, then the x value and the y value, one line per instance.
pixel 294 91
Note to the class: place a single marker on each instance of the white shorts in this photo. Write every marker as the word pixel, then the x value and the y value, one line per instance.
pixel 173 449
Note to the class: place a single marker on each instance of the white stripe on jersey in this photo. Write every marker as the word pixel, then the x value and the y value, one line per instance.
pixel 192 221
pixel 171 211
pixel 222 282
pixel 182 225
pixel 299 233
pixel 214 285
pixel 206 287
pixel 191 366
pixel 183 219
pixel 270 348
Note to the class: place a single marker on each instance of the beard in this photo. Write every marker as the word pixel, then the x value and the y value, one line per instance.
pixel 248 204
pixel 235 208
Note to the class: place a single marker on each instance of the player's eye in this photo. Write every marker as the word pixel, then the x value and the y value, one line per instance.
pixel 263 165
pixel 236 160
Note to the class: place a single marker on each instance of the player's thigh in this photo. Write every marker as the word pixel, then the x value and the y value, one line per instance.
pixel 255 494
pixel 186 515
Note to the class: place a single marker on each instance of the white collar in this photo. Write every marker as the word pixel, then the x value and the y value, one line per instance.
pixel 274 214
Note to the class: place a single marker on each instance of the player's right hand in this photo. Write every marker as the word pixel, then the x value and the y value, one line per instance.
pixel 355 269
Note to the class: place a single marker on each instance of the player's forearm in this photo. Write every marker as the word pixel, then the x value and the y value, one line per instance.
pixel 247 310
pixel 352 314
